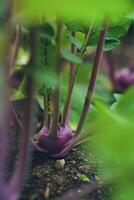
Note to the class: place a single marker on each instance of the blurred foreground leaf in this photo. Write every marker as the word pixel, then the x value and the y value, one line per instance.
pixel 113 143
pixel 84 10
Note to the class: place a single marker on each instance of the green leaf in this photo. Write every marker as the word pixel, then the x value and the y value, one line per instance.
pixel 20 93
pixel 74 41
pixel 70 56
pixel 77 25
pixel 48 78
pixel 46 30
pixel 119 30
pixel 44 72
pixel 111 43
pixel 117 98
pixel 17 95
pixel 131 16
pixel 113 142
pixel 125 104
pixel 115 32
pixel 40 100
pixel 83 177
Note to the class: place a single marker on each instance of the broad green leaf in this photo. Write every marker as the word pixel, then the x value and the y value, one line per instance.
pixel 115 32
pixel 113 146
pixel 117 98
pixel 70 56
pixel 77 25
pixel 113 142
pixel 119 30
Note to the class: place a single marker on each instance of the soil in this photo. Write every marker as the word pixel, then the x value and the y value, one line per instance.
pixel 63 179
pixel 73 178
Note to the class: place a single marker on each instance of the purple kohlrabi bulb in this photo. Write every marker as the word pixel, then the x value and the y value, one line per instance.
pixel 54 146
pixel 124 78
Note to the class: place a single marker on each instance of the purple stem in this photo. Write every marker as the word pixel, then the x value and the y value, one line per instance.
pixel 68 99
pixel 71 77
pixel 46 111
pixel 17 180
pixel 4 108
pixel 16 47
pixel 94 73
pixel 15 117
pixel 56 95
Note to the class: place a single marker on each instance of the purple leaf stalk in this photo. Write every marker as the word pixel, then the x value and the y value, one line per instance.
pixel 10 190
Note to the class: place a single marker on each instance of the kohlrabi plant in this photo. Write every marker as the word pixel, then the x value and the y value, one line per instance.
pixel 34 42
pixel 56 138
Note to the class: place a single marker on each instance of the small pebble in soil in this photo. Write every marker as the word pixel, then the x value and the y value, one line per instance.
pixel 60 164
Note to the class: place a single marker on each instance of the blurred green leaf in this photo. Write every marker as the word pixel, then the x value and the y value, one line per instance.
pixel 77 25
pixel 46 30
pixel 40 100
pixel 84 10
pixel 131 16
pixel 20 93
pixel 125 105
pixel 70 56
pixel 125 192
pixel 83 177
pixel 115 32
pixel 117 98
pixel 119 30
pixel 48 78
pixel 2 9
pixel 113 142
